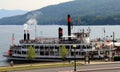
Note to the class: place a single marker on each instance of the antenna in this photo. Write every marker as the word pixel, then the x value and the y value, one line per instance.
pixel 78 20
pixel 35 30
pixel 13 39
pixel 104 33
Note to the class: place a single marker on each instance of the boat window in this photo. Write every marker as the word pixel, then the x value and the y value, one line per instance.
pixel 56 54
pixel 67 46
pixel 95 53
pixel 23 46
pixel 51 53
pixel 46 53
pixel 46 47
pixel 24 52
pixel 80 53
pixel 51 47
pixel 88 47
pixel 78 46
pixel 41 53
pixel 83 53
pixel 77 53
pixel 72 53
pixel 83 47
pixel 14 51
pixel 101 52
pixel 56 47
pixel 36 47
pixel 41 47
pixel 18 52
pixel 19 46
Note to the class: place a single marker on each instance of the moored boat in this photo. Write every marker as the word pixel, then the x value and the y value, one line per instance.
pixel 48 49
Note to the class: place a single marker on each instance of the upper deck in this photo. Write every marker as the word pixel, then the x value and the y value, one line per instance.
pixel 75 38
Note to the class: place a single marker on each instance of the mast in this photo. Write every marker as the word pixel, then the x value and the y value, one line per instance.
pixel 35 30
pixel 113 39
pixel 104 34
pixel 13 39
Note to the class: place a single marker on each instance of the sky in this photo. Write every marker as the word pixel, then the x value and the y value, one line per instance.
pixel 28 4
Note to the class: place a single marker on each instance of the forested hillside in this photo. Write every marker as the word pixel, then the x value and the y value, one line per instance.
pixel 83 12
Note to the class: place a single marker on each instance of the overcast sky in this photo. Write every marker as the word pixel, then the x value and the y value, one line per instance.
pixel 27 4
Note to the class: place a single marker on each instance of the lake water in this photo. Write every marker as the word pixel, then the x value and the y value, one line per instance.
pixel 6 32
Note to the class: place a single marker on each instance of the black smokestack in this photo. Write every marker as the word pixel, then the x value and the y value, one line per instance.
pixel 60 32
pixel 69 26
pixel 28 36
pixel 24 36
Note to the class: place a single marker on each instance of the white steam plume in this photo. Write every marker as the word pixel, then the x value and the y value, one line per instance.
pixel 25 27
pixel 34 14
pixel 32 21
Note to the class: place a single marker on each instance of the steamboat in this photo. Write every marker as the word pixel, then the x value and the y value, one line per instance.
pixel 48 49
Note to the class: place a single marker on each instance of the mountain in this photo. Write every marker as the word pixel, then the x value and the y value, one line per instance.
pixel 84 12
pixel 8 13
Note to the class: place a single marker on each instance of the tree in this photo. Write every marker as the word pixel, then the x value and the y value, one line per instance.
pixel 31 53
pixel 63 52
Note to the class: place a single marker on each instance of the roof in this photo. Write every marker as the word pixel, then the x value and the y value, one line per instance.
pixel 72 36
pixel 111 43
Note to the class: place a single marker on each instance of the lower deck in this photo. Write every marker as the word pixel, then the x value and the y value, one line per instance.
pixel 51 52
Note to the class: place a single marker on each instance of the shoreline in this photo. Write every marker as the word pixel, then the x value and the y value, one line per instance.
pixel 49 65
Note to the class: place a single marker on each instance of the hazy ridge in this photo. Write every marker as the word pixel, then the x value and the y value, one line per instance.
pixel 8 13
pixel 83 12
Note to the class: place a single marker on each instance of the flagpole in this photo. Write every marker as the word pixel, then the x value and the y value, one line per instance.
pixel 13 39
pixel 35 30
pixel 104 34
